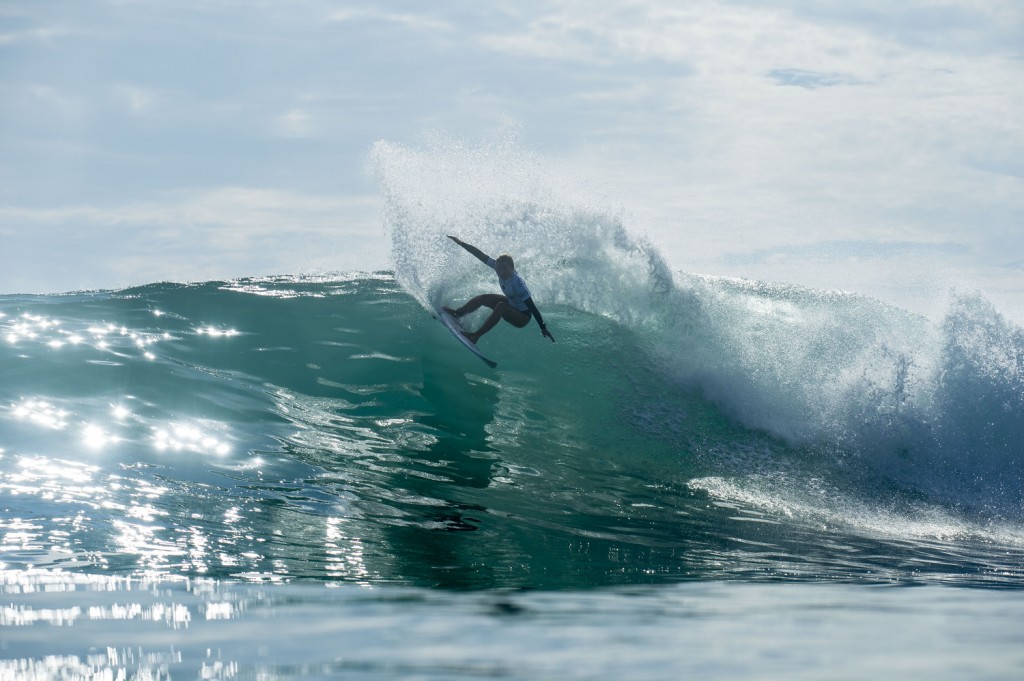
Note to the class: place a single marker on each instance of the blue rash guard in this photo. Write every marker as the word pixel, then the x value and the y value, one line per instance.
pixel 514 288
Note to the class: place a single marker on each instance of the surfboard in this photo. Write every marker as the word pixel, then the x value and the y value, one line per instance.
pixel 453 325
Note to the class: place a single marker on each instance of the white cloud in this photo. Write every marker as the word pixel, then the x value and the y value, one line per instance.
pixel 187 236
pixel 713 37
pixel 34 35
pixel 884 123
pixel 256 210
pixel 419 22
pixel 54 99
pixel 296 123
pixel 138 100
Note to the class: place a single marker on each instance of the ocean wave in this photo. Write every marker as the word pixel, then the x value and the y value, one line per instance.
pixel 934 406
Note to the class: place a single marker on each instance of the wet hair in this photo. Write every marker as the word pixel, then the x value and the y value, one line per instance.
pixel 505 257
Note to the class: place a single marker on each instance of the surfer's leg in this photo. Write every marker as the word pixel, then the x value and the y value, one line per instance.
pixel 504 311
pixel 486 300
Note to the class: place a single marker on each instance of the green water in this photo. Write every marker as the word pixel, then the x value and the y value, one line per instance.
pixel 308 478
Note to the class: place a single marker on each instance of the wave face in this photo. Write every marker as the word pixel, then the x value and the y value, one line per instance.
pixel 328 428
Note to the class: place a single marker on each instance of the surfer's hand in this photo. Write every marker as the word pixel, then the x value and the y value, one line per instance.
pixel 547 334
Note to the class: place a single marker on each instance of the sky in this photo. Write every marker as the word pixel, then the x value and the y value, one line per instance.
pixel 871 146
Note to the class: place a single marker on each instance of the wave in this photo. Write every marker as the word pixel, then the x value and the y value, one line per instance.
pixel 934 407
pixel 328 428
pixel 683 426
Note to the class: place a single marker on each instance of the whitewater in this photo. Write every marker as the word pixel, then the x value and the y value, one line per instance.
pixel 216 454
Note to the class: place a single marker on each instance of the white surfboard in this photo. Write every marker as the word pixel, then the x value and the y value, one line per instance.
pixel 453 325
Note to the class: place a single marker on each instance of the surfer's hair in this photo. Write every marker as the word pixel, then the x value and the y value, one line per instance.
pixel 505 257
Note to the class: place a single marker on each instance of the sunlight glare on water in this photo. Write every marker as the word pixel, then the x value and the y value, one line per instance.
pixel 41 413
pixel 60 625
pixel 190 437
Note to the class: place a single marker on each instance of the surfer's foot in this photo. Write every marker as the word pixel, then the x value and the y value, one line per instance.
pixel 454 313
pixel 473 337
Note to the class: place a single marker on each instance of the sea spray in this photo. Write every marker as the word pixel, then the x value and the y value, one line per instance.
pixel 499 198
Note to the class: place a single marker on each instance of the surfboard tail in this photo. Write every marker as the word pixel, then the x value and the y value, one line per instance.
pixel 456 330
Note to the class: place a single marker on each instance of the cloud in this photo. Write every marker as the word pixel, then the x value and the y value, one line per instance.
pixel 971 27
pixel 252 209
pixel 297 123
pixel 810 79
pixel 34 35
pixel 850 250
pixel 138 100
pixel 721 124
pixel 187 236
pixel 419 22
pixel 714 38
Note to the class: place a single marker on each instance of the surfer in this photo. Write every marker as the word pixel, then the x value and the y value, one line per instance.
pixel 515 306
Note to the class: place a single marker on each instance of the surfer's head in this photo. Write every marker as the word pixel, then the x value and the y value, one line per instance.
pixel 505 265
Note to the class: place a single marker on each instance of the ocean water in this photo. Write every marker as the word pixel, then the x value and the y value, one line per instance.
pixel 306 476
pixel 187 467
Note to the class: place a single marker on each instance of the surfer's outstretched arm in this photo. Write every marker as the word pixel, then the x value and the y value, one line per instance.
pixel 540 320
pixel 480 255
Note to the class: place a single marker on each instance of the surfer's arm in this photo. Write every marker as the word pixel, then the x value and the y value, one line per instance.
pixel 540 320
pixel 476 252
